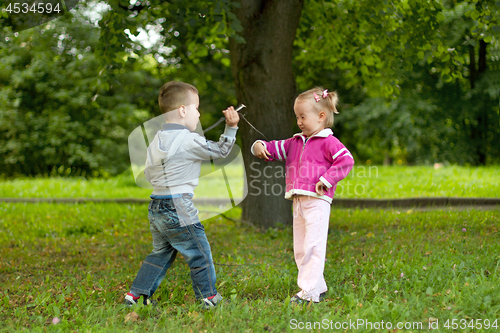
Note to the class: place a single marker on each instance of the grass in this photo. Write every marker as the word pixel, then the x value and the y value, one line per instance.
pixel 362 182
pixel 420 181
pixel 76 261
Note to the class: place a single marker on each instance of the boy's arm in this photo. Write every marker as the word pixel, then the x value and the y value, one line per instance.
pixel 277 149
pixel 341 166
pixel 203 149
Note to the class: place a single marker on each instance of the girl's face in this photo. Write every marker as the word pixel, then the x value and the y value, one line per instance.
pixel 308 120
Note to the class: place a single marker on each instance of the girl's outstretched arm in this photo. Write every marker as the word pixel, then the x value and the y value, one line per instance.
pixel 260 150
pixel 271 151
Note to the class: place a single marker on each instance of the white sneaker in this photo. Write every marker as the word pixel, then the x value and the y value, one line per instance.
pixel 211 303
pixel 130 301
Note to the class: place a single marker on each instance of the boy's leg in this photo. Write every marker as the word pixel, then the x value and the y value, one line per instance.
pixel 196 250
pixel 153 270
pixel 163 221
pixel 198 256
pixel 311 281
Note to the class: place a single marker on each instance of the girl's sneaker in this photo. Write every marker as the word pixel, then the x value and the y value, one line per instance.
pixel 300 301
pixel 296 300
pixel 211 302
pixel 131 300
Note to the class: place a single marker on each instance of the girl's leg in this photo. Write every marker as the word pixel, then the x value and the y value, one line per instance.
pixel 316 213
pixel 299 231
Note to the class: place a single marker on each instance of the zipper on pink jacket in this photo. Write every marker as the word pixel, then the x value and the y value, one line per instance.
pixel 300 158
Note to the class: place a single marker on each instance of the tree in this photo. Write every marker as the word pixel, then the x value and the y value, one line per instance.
pixel 262 70
pixel 194 29
pixel 369 41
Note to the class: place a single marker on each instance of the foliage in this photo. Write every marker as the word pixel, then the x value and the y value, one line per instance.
pixel 190 30
pixel 448 108
pixel 192 47
pixel 75 262
pixel 55 119
pixel 370 42
pixel 71 92
pixel 62 114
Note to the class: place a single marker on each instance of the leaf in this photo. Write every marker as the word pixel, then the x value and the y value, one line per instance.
pixel 447 78
pixel 132 316
pixel 226 62
pixel 239 39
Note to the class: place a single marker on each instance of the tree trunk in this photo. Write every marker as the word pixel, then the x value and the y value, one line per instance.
pixel 482 118
pixel 262 71
pixel 479 132
pixel 472 66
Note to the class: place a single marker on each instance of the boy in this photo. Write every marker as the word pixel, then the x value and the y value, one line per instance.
pixel 173 168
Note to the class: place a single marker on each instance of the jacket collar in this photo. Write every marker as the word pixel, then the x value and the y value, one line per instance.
pixel 173 126
pixel 322 134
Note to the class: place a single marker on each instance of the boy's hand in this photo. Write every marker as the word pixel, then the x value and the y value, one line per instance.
pixel 320 187
pixel 261 151
pixel 232 117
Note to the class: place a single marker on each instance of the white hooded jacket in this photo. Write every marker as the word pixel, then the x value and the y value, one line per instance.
pixel 174 158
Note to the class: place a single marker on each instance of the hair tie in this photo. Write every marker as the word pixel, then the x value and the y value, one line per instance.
pixel 324 95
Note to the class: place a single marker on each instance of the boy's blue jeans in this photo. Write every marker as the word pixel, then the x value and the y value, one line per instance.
pixel 175 227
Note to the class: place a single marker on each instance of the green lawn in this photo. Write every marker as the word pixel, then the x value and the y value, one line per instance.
pixel 76 261
pixel 362 182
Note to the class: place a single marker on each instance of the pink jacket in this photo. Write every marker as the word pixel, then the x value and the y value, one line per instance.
pixel 321 157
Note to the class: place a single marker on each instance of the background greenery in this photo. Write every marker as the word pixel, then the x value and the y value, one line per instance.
pixel 62 112
pixel 363 182
pixel 419 84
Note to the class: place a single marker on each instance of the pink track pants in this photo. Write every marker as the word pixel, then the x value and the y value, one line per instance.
pixel 311 217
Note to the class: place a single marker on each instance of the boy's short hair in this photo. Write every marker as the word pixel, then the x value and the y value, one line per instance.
pixel 173 94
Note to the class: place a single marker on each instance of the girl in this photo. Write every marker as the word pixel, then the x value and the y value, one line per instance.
pixel 315 162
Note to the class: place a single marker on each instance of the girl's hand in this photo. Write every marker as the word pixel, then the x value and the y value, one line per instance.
pixel 321 188
pixel 232 117
pixel 261 151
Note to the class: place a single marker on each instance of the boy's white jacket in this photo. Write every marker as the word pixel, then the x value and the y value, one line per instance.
pixel 174 157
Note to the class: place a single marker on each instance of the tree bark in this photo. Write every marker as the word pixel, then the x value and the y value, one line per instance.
pixel 262 71
pixel 482 118
pixel 472 66
pixel 479 132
